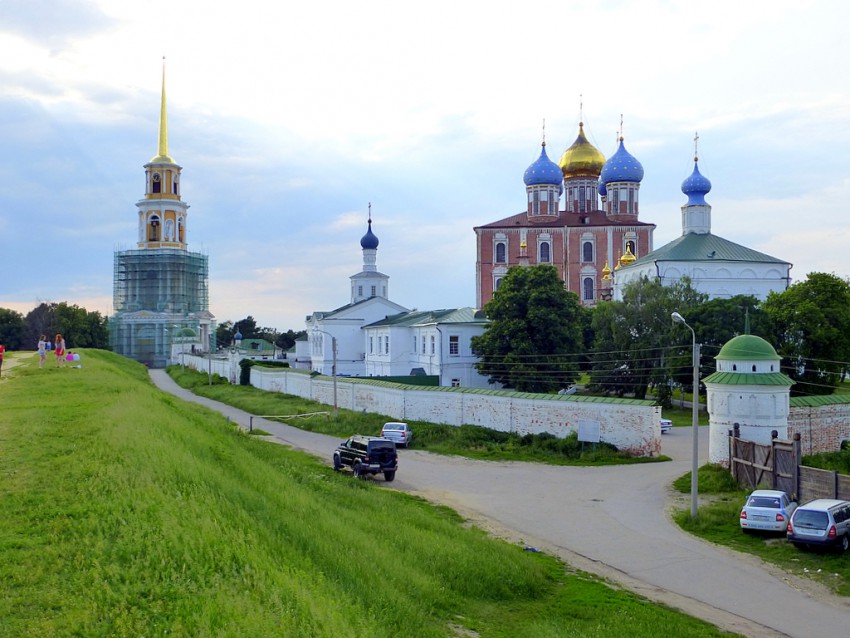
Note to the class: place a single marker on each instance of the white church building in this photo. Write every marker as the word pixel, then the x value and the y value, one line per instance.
pixel 373 336
pixel 716 266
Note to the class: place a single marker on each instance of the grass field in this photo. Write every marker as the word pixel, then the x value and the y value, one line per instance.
pixel 127 512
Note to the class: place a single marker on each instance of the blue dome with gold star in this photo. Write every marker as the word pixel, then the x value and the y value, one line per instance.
pixel 621 167
pixel 696 186
pixel 369 241
pixel 543 171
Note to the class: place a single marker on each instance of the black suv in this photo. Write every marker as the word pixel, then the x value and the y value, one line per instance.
pixel 367 455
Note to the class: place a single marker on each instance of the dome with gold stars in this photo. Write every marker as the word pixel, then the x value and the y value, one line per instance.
pixel 582 159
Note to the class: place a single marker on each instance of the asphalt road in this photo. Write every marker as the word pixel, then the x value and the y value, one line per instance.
pixel 611 521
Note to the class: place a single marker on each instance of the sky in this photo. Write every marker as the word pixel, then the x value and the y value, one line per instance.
pixel 290 118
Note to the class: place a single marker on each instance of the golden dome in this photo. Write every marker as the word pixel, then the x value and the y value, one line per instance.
pixel 629 257
pixel 582 159
pixel 606 272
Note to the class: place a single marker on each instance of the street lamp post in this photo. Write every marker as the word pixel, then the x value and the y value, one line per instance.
pixel 333 365
pixel 677 318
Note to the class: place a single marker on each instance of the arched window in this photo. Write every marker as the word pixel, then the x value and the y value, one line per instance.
pixel 545 257
pixel 153 234
pixel 630 247
pixel 498 283
pixel 587 251
pixel 587 288
pixel 176 187
pixel 500 253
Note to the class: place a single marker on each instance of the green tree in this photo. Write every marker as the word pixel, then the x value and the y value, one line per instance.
pixel 812 321
pixel 636 343
pixel 534 337
pixel 13 330
pixel 80 327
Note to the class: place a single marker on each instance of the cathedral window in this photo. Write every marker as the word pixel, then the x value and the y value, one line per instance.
pixel 359 291
pixel 615 203
pixel 176 189
pixel 587 251
pixel 632 201
pixel 545 256
pixel 630 247
pixel 423 344
pixel 371 345
pixel 497 284
pixel 587 288
pixel 501 251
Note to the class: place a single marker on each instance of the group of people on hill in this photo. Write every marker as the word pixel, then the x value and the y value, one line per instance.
pixel 58 350
pixel 44 345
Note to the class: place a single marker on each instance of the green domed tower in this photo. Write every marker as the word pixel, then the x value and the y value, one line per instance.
pixel 747 389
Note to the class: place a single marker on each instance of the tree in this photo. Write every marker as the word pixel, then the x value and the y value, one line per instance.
pixel 534 337
pixel 81 328
pixel 812 321
pixel 12 330
pixel 636 344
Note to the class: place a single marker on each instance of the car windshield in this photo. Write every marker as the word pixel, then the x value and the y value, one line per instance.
pixel 763 501
pixel 810 518
pixel 393 427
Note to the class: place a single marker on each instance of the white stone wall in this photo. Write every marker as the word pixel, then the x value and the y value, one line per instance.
pixel 633 428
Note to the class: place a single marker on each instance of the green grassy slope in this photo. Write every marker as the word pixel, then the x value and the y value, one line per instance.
pixel 127 512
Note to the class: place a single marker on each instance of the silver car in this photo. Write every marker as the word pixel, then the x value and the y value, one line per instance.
pixel 823 522
pixel 398 432
pixel 767 510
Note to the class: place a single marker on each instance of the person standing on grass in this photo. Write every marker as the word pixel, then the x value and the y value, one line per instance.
pixel 42 351
pixel 59 350
pixel 2 352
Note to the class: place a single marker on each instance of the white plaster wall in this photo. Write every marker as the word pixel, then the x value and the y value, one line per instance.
pixel 631 427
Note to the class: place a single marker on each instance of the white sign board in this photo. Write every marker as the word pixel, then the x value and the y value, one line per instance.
pixel 588 431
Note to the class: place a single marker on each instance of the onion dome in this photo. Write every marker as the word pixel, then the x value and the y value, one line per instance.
pixel 582 159
pixel 606 272
pixel 543 171
pixel 621 167
pixel 601 189
pixel 629 257
pixel 696 187
pixel 369 241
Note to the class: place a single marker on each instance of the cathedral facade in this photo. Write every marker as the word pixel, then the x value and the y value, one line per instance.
pixel 597 228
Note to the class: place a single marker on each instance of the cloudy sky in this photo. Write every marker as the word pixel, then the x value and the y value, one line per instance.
pixel 289 118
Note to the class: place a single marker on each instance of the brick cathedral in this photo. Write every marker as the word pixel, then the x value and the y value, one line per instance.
pixel 597 229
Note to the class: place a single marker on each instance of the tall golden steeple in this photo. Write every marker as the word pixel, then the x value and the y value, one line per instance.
pixel 163 157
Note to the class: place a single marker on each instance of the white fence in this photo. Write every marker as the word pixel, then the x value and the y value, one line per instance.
pixel 632 426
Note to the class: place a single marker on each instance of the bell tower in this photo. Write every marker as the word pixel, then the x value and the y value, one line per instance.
pixel 162 214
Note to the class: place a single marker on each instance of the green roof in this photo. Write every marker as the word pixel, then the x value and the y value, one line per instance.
pixel 705 247
pixel 749 348
pixel 749 378
pixel 819 400
pixel 425 317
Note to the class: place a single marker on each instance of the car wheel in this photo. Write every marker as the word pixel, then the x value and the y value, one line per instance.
pixel 390 475
pixel 337 463
pixel 357 471
pixel 845 543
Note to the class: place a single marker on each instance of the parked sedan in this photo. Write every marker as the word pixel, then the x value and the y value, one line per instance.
pixel 399 433
pixel 767 510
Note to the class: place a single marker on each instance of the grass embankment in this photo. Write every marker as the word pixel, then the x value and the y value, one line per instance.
pixel 127 512
pixel 717 522
pixel 466 440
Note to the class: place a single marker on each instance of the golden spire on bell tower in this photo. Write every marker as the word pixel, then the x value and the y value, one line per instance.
pixel 162 156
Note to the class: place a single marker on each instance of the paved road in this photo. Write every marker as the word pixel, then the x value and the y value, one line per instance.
pixel 611 521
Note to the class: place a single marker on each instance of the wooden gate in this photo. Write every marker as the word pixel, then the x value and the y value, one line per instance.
pixel 773 466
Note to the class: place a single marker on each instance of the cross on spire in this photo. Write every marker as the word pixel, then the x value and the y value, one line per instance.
pixel 696 142
pixel 580 109
pixel 370 212
pixel 544 131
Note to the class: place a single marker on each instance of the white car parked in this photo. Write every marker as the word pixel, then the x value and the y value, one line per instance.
pixel 767 510
pixel 398 432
